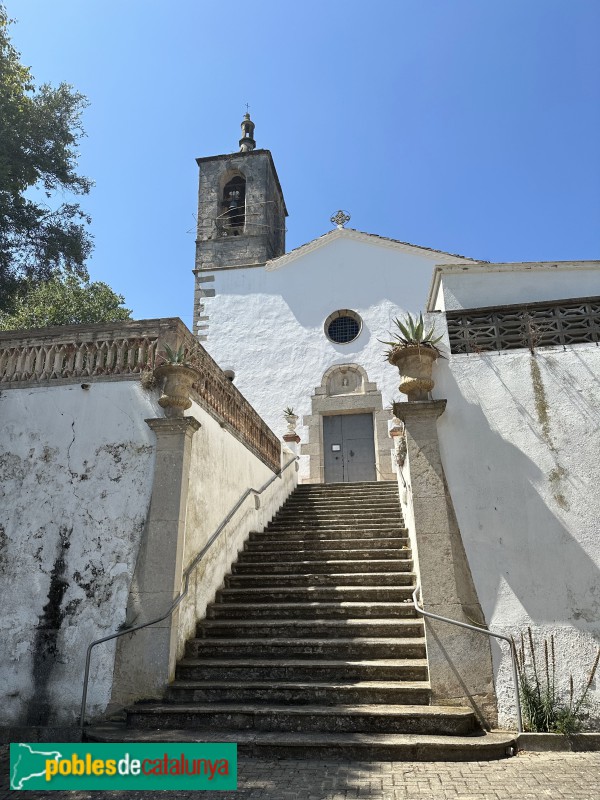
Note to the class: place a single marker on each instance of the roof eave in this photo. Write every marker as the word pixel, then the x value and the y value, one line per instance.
pixel 499 266
pixel 370 238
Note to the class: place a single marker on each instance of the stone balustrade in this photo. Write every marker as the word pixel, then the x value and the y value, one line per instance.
pixel 546 324
pixel 124 351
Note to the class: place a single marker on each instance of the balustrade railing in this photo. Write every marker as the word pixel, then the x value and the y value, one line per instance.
pixel 124 351
pixel 547 324
pixel 58 360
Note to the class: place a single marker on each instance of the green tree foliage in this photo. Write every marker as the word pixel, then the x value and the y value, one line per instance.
pixel 64 300
pixel 40 236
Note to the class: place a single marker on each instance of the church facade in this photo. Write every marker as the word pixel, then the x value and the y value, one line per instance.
pixel 521 380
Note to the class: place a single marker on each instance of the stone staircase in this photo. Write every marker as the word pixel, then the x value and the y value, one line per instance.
pixel 312 648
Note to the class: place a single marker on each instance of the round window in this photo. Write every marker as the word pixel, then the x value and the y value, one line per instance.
pixel 343 326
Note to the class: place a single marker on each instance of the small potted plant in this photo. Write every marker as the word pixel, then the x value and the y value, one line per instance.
pixel 179 375
pixel 413 349
pixel 291 418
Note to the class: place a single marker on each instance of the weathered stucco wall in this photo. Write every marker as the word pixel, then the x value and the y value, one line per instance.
pixel 94 481
pixel 76 471
pixel 520 441
pixel 221 470
pixel 75 483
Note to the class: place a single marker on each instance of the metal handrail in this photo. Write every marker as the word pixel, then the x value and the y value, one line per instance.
pixel 420 610
pixel 186 578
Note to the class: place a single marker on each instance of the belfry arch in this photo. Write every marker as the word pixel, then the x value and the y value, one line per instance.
pixel 232 206
pixel 345 389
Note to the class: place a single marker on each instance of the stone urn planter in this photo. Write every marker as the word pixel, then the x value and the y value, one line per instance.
pixel 292 421
pixel 291 418
pixel 177 387
pixel 413 349
pixel 415 364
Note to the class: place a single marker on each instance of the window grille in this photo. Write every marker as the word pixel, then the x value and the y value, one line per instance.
pixel 557 324
pixel 343 326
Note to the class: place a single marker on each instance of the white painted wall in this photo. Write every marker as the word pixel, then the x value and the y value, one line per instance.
pixel 221 470
pixel 507 284
pixel 267 326
pixel 75 468
pixel 520 440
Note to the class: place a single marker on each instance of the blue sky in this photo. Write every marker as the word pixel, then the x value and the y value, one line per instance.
pixel 465 125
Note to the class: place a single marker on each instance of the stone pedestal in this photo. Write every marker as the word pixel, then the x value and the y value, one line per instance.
pixel 292 440
pixel 146 660
pixel 460 663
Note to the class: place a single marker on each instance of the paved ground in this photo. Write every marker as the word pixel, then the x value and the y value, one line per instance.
pixel 529 776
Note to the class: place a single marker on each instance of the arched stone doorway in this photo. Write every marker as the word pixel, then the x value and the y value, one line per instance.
pixel 346 391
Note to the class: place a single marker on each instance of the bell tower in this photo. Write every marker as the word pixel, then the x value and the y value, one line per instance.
pixel 241 215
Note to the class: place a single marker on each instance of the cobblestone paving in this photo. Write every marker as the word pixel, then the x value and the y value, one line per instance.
pixel 529 776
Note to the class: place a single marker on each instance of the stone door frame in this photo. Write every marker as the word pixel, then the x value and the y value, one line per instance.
pixel 364 398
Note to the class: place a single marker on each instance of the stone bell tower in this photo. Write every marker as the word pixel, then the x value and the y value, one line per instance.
pixel 241 216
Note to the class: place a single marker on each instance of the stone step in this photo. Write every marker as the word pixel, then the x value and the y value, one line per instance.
pixel 315 534
pixel 337 498
pixel 446 720
pixel 354 527
pixel 359 503
pixel 306 611
pixel 279 545
pixel 319 535
pixel 324 554
pixel 343 508
pixel 349 746
pixel 307 498
pixel 308 629
pixel 324 694
pixel 308 594
pixel 344 499
pixel 391 518
pixel 301 494
pixel 268 581
pixel 335 525
pixel 349 485
pixel 355 648
pixel 347 491
pixel 331 567
pixel 358 515
pixel 335 488
pixel 295 670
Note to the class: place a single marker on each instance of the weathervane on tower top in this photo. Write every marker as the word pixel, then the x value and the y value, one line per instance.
pixel 340 219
